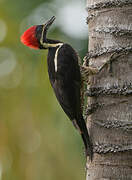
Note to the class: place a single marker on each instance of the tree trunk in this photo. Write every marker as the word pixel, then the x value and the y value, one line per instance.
pixel 109 111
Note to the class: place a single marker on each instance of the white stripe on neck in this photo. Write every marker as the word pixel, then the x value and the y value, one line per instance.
pixel 48 45
pixel 56 54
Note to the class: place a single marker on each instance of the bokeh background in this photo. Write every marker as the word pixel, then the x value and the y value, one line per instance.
pixel 37 141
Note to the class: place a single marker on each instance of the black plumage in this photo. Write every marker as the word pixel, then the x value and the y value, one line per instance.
pixel 66 82
pixel 64 75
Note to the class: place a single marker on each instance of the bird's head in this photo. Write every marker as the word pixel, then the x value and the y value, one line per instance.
pixel 35 36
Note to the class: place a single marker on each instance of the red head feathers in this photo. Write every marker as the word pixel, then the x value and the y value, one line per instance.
pixel 29 38
pixel 32 36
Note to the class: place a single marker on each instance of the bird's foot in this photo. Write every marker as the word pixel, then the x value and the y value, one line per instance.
pixel 86 72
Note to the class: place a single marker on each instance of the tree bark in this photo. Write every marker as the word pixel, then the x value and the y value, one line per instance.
pixel 109 110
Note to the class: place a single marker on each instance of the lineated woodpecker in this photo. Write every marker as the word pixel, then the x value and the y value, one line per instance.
pixel 64 75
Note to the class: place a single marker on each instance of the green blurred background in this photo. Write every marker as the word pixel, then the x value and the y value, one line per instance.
pixel 37 140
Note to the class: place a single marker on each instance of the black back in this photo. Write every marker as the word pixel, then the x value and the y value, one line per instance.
pixel 66 81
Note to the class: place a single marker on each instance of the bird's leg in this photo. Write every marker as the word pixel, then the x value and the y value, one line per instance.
pixel 87 71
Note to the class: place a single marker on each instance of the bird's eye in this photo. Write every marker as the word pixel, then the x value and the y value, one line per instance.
pixel 39 29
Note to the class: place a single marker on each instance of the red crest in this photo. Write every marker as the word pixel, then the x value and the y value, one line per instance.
pixel 29 38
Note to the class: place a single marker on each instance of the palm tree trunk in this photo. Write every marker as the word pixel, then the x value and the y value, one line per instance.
pixel 109 111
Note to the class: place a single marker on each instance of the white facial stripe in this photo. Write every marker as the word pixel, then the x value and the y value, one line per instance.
pixel 56 54
pixel 41 39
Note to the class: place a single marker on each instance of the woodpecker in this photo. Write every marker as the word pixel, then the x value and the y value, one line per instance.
pixel 64 75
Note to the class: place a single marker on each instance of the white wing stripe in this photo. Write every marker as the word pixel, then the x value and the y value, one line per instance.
pixel 55 59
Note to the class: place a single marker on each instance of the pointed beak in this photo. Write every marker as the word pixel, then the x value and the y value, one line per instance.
pixel 49 22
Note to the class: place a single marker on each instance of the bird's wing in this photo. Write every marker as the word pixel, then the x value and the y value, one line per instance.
pixel 67 81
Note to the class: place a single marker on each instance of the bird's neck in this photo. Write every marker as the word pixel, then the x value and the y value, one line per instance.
pixel 51 43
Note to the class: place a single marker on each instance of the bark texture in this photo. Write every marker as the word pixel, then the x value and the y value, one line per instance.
pixel 109 110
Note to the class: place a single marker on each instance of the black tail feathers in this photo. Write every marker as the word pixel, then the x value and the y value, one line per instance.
pixel 85 137
pixel 88 145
